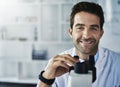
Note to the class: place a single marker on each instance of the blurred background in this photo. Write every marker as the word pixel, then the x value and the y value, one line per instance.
pixel 32 31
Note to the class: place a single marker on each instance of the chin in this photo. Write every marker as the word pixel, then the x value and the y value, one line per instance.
pixel 86 51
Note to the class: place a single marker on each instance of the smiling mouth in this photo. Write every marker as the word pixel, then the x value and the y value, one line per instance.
pixel 87 42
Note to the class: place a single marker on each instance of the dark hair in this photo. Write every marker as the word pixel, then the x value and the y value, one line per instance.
pixel 89 7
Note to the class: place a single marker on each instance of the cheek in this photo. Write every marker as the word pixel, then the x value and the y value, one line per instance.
pixel 97 37
pixel 77 36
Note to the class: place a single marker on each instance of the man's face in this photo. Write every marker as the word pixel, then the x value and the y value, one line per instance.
pixel 86 32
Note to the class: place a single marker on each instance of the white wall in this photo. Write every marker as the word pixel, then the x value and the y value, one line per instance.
pixel 111 38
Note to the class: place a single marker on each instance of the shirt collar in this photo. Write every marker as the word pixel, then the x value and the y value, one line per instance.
pixel 96 56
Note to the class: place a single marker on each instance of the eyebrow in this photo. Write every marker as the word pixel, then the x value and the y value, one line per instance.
pixel 79 25
pixel 94 25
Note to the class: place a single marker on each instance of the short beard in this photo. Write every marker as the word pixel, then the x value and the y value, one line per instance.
pixel 91 51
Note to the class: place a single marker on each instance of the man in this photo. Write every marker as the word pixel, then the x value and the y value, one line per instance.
pixel 86 29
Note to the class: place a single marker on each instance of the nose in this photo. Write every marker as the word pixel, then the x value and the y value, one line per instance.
pixel 86 33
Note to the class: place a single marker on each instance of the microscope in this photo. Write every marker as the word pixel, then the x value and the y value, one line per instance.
pixel 82 75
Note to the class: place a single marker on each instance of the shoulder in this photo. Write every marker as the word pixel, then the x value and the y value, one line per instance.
pixel 109 52
pixel 114 56
pixel 110 55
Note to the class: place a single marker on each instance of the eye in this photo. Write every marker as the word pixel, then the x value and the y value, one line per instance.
pixel 80 28
pixel 94 28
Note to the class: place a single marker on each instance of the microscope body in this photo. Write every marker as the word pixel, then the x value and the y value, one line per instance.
pixel 80 80
pixel 81 76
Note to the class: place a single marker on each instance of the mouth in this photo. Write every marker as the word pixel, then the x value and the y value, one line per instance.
pixel 87 43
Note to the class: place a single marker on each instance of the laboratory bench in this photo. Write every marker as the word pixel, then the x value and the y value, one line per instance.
pixel 15 82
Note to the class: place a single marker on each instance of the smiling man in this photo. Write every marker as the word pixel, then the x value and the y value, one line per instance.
pixel 86 30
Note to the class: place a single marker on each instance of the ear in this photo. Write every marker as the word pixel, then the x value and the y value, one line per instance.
pixel 102 32
pixel 70 32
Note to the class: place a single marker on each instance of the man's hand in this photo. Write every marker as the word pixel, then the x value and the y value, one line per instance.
pixel 59 65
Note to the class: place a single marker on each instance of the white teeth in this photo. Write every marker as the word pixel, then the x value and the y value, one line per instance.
pixel 86 42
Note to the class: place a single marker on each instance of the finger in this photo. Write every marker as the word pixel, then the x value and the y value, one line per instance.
pixel 66 59
pixel 61 64
pixel 72 58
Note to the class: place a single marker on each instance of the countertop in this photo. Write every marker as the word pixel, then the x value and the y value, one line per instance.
pixel 17 80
